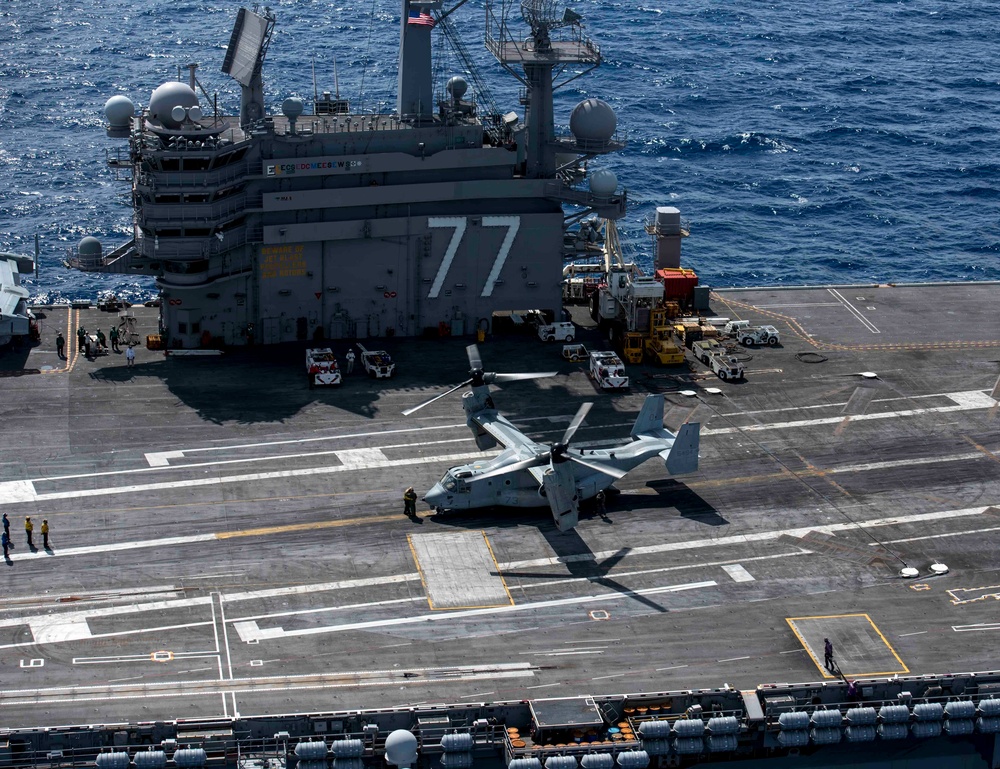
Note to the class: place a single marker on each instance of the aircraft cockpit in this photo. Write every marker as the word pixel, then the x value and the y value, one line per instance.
pixel 454 481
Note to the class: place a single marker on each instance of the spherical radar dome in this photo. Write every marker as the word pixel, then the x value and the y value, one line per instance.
pixel 292 107
pixel 401 749
pixel 89 246
pixel 603 182
pixel 593 120
pixel 168 96
pixel 457 86
pixel 119 110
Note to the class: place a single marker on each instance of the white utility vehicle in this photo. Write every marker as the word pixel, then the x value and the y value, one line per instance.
pixel 321 367
pixel 758 335
pixel 557 332
pixel 378 363
pixel 607 369
pixel 725 366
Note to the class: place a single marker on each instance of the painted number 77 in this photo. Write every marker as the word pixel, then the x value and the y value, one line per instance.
pixel 459 224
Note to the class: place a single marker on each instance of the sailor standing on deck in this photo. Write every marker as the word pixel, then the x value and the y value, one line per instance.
pixel 130 356
pixel 60 345
pixel 45 533
pixel 350 360
pixel 6 524
pixel 410 502
pixel 5 539
pixel 113 333
pixel 828 654
pixel 28 527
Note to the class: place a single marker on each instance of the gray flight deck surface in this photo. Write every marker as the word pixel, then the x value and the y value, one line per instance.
pixel 227 541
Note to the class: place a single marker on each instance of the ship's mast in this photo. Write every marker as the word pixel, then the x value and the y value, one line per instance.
pixel 542 60
pixel 415 99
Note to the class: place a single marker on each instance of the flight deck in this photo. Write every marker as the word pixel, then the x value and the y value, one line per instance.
pixel 226 541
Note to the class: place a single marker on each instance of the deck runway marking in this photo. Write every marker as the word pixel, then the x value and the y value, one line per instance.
pixel 853 310
pixel 271 633
pixel 942 535
pixel 965 595
pixel 738 573
pixel 359 459
pixel 976 627
pixel 458 570
pixel 141 488
pixel 858 645
pixel 156 456
pixel 742 539
pixel 257 684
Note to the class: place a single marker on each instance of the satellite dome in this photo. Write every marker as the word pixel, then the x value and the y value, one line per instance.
pixel 457 86
pixel 119 111
pixel 401 749
pixel 603 182
pixel 292 107
pixel 593 121
pixel 166 97
pixel 89 246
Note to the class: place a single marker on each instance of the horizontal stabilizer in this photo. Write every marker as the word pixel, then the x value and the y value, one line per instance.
pixel 682 457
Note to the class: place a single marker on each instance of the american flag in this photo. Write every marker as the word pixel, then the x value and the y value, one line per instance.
pixel 420 18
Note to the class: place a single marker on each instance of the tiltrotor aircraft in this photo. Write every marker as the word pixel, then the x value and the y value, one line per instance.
pixel 529 474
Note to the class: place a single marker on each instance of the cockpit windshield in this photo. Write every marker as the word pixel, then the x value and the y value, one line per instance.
pixel 453 482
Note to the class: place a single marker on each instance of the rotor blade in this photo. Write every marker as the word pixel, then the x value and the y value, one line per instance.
pixel 475 361
pixel 436 397
pixel 581 414
pixel 524 464
pixel 517 377
pixel 614 472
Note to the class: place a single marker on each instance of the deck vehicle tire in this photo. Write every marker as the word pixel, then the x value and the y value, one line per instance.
pixel 746 341
pixel 773 341
pixel 723 375
pixel 550 338
pixel 569 338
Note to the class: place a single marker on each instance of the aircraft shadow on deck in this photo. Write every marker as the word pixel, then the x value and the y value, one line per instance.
pixel 581 563
pixel 672 493
pixel 268 384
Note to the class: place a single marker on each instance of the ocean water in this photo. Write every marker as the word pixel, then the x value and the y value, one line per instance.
pixel 833 142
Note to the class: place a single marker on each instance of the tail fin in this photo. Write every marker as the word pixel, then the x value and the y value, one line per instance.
pixel 650 419
pixel 682 457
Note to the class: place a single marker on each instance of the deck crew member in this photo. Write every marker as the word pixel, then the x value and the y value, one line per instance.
pixel 5 539
pixel 113 334
pixel 60 345
pixel 410 502
pixel 350 361
pixel 45 533
pixel 828 654
pixel 28 528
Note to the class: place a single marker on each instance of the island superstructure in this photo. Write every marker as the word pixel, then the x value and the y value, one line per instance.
pixel 269 228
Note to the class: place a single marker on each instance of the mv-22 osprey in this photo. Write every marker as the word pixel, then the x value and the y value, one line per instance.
pixel 529 474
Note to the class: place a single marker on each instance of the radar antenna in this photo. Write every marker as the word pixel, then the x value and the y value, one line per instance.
pixel 542 16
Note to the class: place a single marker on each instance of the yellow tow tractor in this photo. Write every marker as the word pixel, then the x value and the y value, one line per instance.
pixel 659 345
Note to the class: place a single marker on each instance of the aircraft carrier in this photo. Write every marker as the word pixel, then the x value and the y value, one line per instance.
pixel 227 545
pixel 229 577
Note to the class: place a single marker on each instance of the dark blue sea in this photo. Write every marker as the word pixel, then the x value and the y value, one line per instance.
pixel 805 142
